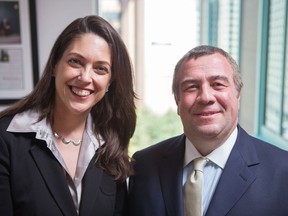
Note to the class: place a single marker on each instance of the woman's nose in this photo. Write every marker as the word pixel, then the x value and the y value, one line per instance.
pixel 85 75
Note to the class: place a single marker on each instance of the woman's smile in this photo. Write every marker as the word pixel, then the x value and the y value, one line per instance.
pixel 80 91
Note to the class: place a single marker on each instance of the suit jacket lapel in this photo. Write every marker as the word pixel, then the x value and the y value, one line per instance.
pixel 170 171
pixel 236 176
pixel 52 173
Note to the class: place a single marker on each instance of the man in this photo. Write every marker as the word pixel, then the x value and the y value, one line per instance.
pixel 243 175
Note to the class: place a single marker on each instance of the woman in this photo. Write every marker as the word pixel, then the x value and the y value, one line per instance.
pixel 63 148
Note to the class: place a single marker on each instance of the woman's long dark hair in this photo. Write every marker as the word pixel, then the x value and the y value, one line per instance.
pixel 114 116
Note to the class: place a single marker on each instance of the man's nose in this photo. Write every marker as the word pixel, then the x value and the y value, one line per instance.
pixel 206 94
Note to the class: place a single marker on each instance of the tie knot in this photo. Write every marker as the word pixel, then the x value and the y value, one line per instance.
pixel 199 163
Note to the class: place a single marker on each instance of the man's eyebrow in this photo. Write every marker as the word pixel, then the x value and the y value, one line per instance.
pixel 219 77
pixel 211 78
pixel 187 81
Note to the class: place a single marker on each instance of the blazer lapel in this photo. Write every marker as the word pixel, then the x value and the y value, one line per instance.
pixel 90 188
pixel 236 176
pixel 170 171
pixel 52 173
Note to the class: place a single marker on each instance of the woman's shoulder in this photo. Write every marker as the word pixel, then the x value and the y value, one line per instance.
pixel 5 121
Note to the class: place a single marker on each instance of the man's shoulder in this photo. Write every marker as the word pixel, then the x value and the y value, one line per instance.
pixel 268 150
pixel 271 150
pixel 148 160
pixel 160 149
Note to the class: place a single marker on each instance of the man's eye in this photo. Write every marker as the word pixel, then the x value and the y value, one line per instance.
pixel 218 84
pixel 191 87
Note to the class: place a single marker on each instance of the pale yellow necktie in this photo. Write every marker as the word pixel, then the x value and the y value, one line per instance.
pixel 193 189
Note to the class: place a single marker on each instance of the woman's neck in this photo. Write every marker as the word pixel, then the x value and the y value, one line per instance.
pixel 70 126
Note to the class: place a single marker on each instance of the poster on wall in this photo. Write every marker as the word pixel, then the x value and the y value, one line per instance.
pixel 18 49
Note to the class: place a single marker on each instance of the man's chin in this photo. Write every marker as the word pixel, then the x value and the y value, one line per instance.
pixel 209 130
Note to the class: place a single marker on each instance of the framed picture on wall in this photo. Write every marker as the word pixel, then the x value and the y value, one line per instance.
pixel 18 49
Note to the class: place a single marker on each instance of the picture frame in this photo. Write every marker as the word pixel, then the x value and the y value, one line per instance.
pixel 19 71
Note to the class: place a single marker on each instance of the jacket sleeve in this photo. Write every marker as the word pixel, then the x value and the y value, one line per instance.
pixel 5 194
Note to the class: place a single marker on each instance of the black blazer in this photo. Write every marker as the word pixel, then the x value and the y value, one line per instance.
pixel 32 181
pixel 254 181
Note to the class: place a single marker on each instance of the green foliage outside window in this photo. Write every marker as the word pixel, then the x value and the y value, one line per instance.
pixel 152 128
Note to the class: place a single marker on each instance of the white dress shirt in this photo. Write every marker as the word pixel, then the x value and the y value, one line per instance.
pixel 212 170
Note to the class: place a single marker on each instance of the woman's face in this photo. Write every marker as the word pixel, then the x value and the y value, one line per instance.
pixel 83 74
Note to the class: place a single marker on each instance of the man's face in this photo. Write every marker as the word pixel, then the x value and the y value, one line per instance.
pixel 208 101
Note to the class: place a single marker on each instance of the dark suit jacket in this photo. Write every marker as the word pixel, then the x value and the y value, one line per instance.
pixel 254 181
pixel 32 182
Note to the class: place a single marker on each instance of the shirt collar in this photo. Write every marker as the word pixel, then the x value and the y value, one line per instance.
pixel 25 122
pixel 28 122
pixel 219 156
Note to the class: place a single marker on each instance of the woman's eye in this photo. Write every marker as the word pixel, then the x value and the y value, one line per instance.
pixel 101 70
pixel 74 62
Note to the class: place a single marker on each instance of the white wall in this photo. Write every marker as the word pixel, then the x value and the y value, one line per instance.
pixel 52 17
pixel 248 65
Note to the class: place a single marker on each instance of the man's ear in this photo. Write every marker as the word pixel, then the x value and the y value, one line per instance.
pixel 239 99
pixel 176 101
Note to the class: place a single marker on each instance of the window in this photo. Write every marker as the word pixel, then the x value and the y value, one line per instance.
pixel 274 73
pixel 111 11
pixel 224 25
